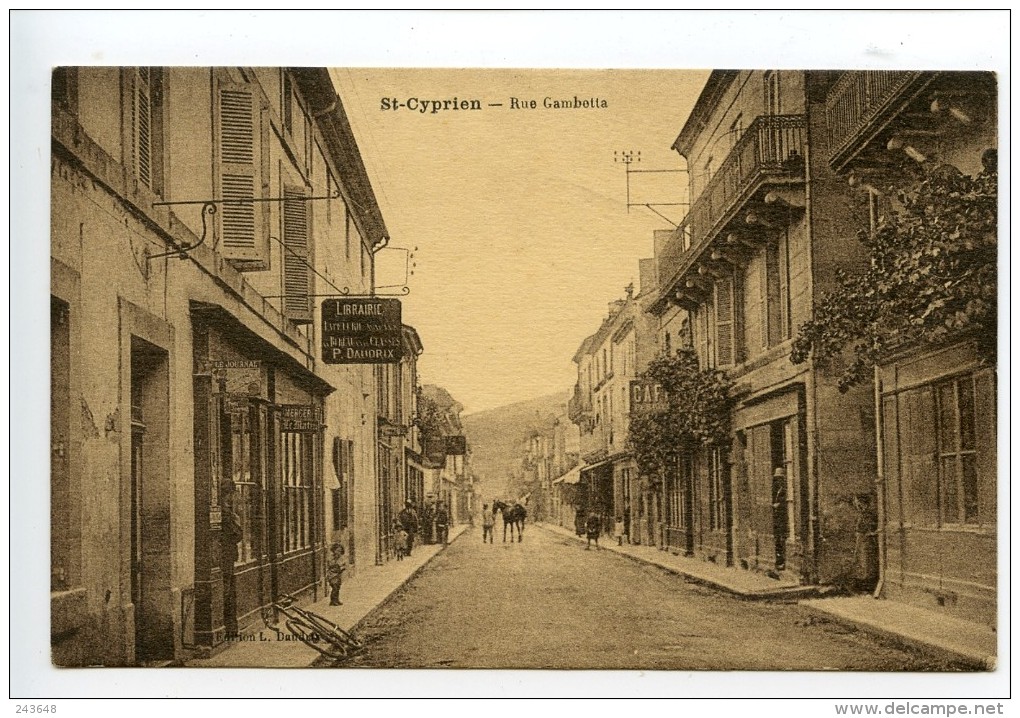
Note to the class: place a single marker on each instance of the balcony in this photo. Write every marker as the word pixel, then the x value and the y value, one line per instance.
pixel 578 406
pixel 769 153
pixel 861 102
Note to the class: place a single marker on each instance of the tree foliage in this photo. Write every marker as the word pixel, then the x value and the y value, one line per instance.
pixel 931 277
pixel 428 418
pixel 697 412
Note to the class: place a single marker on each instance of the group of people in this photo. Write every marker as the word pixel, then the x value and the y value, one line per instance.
pixel 590 526
pixel 406 527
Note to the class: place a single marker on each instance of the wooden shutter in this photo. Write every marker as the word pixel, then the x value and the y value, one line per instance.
pixel 724 322
pixel 243 224
pixel 784 287
pixel 297 278
pixel 141 125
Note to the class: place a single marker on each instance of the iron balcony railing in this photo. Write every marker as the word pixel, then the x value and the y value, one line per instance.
pixel 856 100
pixel 772 147
pixel 578 406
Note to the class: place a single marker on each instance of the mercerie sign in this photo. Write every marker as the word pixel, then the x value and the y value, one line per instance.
pixel 361 331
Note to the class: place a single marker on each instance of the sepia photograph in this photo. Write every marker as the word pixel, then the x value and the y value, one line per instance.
pixel 688 368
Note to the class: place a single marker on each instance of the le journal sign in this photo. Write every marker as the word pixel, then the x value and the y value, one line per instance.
pixel 361 331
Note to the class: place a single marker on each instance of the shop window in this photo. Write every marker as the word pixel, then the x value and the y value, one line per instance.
pixel 243 176
pixel 296 472
pixel 247 434
pixel 957 468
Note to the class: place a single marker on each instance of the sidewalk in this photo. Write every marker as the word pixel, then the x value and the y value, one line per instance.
pixel 954 638
pixel 746 584
pixel 259 647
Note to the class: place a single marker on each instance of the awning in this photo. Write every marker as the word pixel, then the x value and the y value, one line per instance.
pixel 571 477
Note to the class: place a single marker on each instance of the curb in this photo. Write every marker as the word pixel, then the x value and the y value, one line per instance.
pixel 323 662
pixel 971 659
pixel 793 593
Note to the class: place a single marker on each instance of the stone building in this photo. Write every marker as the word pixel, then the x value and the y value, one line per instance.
pixel 196 213
pixel 793 488
pixel 607 362
pixel 936 402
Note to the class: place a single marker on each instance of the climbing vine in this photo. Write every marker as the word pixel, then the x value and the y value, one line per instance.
pixel 696 412
pixel 931 277
pixel 428 418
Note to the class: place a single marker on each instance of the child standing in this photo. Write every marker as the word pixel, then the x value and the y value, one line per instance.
pixel 400 536
pixel 335 572
pixel 618 530
pixel 593 528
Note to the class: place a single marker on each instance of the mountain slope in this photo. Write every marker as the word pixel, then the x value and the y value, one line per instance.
pixel 494 436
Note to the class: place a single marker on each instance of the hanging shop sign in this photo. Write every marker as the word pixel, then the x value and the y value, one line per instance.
pixel 361 331
pixel 456 446
pixel 299 417
pixel 646 396
pixel 435 450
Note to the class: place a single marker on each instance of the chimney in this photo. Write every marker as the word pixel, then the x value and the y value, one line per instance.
pixel 647 274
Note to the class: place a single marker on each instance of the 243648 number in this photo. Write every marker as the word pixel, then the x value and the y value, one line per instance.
pixel 36 708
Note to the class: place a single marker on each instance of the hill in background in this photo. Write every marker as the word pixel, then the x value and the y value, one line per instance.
pixel 495 435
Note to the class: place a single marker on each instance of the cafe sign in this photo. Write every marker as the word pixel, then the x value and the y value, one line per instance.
pixel 361 331
pixel 646 395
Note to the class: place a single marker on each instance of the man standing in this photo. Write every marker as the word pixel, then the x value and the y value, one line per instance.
pixel 488 521
pixel 409 521
pixel 442 525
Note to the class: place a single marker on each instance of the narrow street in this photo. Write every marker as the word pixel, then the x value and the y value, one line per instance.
pixel 549 603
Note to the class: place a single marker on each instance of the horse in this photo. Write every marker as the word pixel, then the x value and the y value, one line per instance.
pixel 513 516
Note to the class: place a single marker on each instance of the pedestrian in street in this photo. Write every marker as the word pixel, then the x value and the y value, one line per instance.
pixel 594 527
pixel 400 538
pixel 442 525
pixel 618 530
pixel 579 521
pixel 409 521
pixel 335 572
pixel 488 521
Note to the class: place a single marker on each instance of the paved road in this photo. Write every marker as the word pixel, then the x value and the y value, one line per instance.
pixel 549 603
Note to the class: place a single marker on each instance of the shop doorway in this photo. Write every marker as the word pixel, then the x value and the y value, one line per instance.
pixel 150 503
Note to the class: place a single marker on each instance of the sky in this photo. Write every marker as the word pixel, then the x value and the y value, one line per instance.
pixel 519 215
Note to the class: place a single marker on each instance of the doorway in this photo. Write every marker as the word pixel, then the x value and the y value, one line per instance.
pixel 150 503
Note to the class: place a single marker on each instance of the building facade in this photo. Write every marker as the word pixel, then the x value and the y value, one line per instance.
pixel 196 212
pixel 792 490
pixel 936 403
pixel 607 362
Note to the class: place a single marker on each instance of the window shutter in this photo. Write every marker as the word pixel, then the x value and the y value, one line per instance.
pixel 724 345
pixel 243 225
pixel 784 287
pixel 297 284
pixel 141 125
pixel 763 299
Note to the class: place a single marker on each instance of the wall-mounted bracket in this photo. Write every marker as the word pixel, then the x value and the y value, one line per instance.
pixel 209 208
